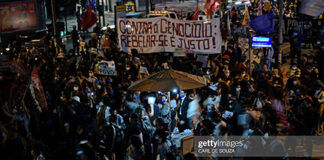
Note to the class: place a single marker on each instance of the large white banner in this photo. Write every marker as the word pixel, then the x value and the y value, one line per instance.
pixel 162 34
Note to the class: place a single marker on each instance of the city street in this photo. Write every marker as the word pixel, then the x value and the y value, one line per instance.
pixel 248 84
pixel 72 21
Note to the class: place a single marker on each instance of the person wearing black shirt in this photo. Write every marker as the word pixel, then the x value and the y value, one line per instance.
pixel 75 37
pixel 184 121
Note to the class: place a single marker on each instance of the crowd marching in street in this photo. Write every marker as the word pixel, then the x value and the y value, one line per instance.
pixel 60 107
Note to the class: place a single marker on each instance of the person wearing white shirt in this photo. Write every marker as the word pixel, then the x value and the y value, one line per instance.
pixel 193 112
pixel 211 103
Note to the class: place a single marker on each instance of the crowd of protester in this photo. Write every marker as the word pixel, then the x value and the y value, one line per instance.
pixel 91 116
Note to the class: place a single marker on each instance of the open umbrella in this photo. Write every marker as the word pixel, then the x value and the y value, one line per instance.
pixel 167 80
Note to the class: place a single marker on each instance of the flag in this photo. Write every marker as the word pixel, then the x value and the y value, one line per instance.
pixel 36 90
pixel 196 13
pixel 278 107
pixel 260 8
pixel 246 17
pixel 206 7
pixel 17 67
pixel 210 8
pixel 263 24
pixel 89 18
pixel 312 7
pixel 86 5
pixel 207 3
pixel 94 5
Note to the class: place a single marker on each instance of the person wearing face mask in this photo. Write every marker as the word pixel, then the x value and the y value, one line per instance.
pixel 92 79
pixel 160 111
pixel 294 89
pixel 76 91
pixel 226 78
pixel 238 92
pixel 182 96
pixel 164 110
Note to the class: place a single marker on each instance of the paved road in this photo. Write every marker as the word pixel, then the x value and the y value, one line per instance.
pixel 72 21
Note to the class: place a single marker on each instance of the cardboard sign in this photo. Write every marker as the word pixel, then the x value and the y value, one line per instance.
pixel 162 34
pixel 107 68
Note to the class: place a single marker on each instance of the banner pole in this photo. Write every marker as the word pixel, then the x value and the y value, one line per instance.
pixel 280 26
pixel 269 58
pixel 170 118
pixel 53 17
pixel 250 51
pixel 23 102
pixel 103 13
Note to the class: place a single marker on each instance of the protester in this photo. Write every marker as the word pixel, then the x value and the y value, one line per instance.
pixel 75 38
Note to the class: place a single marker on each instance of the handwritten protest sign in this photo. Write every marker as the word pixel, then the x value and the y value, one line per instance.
pixel 107 68
pixel 162 34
